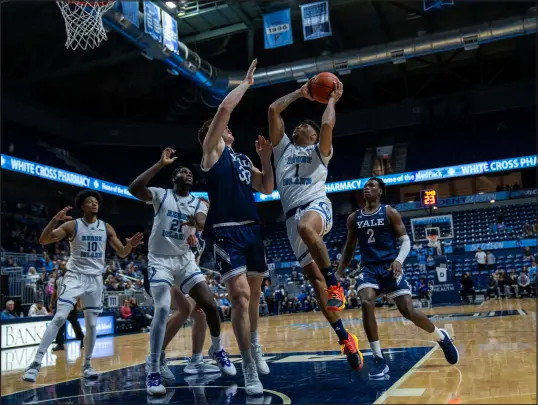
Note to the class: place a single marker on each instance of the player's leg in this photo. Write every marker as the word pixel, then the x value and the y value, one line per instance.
pixel 92 305
pixel 197 365
pixel 348 341
pixel 72 288
pixel 73 319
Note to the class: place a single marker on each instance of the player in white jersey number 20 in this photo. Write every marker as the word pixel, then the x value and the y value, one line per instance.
pixel 84 277
pixel 178 214
pixel 301 173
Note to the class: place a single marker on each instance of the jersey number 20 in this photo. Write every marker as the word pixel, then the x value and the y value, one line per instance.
pixel 371 238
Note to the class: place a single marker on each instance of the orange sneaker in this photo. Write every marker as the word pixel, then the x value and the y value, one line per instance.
pixel 337 299
pixel 350 347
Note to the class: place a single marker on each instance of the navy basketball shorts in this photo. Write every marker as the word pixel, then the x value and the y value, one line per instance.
pixel 238 250
pixel 379 277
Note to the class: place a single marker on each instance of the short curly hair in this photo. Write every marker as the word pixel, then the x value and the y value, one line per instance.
pixel 202 132
pixel 81 197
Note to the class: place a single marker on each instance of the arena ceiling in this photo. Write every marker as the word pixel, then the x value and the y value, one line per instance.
pixel 115 83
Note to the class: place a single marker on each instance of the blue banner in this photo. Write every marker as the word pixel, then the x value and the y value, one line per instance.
pixel 152 21
pixel 505 244
pixel 130 10
pixel 170 32
pixel 105 326
pixel 316 20
pixel 423 176
pixel 277 29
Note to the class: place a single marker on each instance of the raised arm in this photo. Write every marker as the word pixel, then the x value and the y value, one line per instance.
pixel 51 234
pixel 222 117
pixel 329 120
pixel 263 181
pixel 121 249
pixel 350 245
pixel 276 123
pixel 139 188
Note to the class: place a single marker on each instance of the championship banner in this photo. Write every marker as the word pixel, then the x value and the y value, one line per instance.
pixel 316 22
pixel 277 29
pixel 152 21
pixel 130 9
pixel 170 32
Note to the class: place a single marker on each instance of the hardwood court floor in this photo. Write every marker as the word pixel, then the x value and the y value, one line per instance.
pixel 496 342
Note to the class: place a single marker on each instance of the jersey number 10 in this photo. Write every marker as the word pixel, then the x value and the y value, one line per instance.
pixel 92 247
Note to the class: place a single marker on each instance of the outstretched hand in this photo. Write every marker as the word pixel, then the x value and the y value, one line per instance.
pixel 249 77
pixel 61 216
pixel 264 147
pixel 136 240
pixel 337 92
pixel 166 157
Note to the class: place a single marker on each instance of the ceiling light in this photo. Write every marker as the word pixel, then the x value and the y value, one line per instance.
pixel 170 4
pixel 492 201
pixel 434 208
pixel 181 13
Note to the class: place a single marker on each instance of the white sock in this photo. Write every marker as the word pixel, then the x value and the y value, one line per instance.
pixel 376 348
pixel 163 356
pixel 197 358
pixel 161 299
pixel 90 319
pixel 437 334
pixel 254 337
pixel 215 342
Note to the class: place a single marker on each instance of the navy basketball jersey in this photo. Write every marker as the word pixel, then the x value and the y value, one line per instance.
pixel 377 240
pixel 230 190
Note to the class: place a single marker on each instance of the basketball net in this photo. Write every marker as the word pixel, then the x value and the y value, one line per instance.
pixel 84 22
pixel 433 241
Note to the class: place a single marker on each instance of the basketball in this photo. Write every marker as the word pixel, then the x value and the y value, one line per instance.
pixel 321 87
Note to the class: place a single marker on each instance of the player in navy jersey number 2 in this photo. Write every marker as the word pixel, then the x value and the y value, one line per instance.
pixel 233 225
pixel 301 172
pixel 84 277
pixel 376 228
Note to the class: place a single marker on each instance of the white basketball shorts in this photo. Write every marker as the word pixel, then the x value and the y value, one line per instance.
pixel 88 288
pixel 321 206
pixel 180 270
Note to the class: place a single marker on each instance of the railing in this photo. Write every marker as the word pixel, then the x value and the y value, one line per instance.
pixel 20 286
pixel 113 299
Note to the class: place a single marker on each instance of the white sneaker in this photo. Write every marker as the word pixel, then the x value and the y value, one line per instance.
pixel 223 361
pixel 253 386
pixel 89 372
pixel 154 384
pixel 31 372
pixel 257 355
pixel 166 373
pixel 200 367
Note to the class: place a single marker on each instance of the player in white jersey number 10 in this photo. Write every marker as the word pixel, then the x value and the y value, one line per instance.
pixel 84 277
pixel 178 214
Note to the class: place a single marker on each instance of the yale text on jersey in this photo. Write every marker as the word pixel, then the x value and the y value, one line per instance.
pixel 369 223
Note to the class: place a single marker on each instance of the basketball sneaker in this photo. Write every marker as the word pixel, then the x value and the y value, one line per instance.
pixel 257 355
pixel 31 372
pixel 350 347
pixel 89 372
pixel 337 300
pixel 154 384
pixel 379 369
pixel 165 372
pixel 253 386
pixel 200 367
pixel 223 361
pixel 449 349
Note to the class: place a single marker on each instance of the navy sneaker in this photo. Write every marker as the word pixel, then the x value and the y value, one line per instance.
pixel 451 353
pixel 379 369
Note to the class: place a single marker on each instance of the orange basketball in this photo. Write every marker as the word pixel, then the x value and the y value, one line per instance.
pixel 321 86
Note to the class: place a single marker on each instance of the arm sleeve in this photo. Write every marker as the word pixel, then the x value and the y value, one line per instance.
pixel 279 149
pixel 404 249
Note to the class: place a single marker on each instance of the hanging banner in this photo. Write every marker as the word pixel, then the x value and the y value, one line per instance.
pixel 277 29
pixel 170 32
pixel 152 21
pixel 130 10
pixel 316 22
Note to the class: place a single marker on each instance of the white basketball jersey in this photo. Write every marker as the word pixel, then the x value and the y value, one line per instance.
pixel 88 247
pixel 301 173
pixel 169 235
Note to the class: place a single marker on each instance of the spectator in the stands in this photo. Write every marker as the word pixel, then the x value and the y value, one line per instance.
pixel 223 304
pixel 503 283
pixel 268 296
pixel 280 298
pixel 535 228
pixel 422 261
pixel 467 288
pixel 527 255
pixel 480 258
pixel 125 310
pixel 129 287
pixel 31 278
pixel 138 315
pixel 490 260
pixel 9 312
pixel 524 282
pixel 527 230
pixel 512 284
pixel 493 287
pixel 423 290
pixel 38 309
pixel 532 269
pixel 430 262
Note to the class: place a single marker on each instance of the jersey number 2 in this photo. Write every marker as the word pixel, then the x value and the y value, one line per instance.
pixel 371 238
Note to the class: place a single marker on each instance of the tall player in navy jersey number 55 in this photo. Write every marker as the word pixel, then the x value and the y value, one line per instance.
pixel 376 229
pixel 233 223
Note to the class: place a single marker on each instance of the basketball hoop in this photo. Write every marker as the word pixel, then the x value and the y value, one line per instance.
pixel 433 240
pixel 84 23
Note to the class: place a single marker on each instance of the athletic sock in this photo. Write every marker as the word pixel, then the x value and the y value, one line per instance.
pixel 330 277
pixel 215 342
pixel 376 348
pixel 437 334
pixel 163 356
pixel 197 358
pixel 340 330
pixel 254 337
